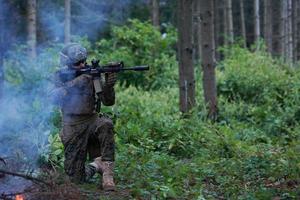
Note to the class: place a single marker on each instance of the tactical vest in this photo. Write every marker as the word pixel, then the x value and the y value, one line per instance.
pixel 80 101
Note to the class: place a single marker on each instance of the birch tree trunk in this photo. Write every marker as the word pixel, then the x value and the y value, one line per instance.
pixel 256 21
pixel 31 28
pixel 268 25
pixel 67 24
pixel 154 8
pixel 208 61
pixel 185 53
pixel 243 23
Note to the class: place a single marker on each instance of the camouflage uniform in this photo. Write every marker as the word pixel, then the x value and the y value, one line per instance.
pixel 84 133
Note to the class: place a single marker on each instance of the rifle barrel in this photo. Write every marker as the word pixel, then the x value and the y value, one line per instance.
pixel 137 68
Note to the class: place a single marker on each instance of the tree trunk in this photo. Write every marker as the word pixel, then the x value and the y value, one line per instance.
pixel 218 27
pixel 289 31
pixel 295 28
pixel 268 25
pixel 229 22
pixel 67 21
pixel 284 28
pixel 196 32
pixel 297 31
pixel 2 23
pixel 208 62
pixel 243 23
pixel 277 28
pixel 154 8
pixel 31 28
pixel 256 21
pixel 185 53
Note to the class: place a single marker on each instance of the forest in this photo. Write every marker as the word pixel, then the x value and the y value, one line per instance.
pixel 216 116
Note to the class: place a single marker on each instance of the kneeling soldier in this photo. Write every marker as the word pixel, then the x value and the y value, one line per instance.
pixel 84 133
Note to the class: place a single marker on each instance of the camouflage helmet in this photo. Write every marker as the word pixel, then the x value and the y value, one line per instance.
pixel 72 53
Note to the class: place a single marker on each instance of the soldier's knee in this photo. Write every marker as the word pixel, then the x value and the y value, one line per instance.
pixel 105 124
pixel 108 123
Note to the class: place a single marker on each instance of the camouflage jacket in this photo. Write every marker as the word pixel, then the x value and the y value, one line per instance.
pixel 77 99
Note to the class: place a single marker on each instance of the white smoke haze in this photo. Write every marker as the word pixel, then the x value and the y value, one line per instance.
pixel 89 17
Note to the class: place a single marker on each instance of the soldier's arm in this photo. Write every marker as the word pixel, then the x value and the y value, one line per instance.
pixel 59 92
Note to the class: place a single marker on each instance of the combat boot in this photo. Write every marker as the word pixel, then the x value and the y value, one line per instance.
pixel 108 176
pixel 106 168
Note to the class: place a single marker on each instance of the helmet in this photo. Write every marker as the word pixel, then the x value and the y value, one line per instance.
pixel 72 53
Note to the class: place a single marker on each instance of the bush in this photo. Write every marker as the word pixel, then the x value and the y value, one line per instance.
pixel 253 77
pixel 141 44
pixel 251 152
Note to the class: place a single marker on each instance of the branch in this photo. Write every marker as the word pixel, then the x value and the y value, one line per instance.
pixel 2 160
pixel 24 176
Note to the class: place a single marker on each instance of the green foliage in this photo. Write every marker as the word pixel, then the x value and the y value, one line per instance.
pixel 54 154
pixel 252 77
pixel 141 44
pixel 251 152
pixel 25 73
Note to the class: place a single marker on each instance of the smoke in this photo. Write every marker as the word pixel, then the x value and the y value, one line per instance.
pixel 26 113
pixel 89 17
pixel 51 19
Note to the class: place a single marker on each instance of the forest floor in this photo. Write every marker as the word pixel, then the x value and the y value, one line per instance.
pixel 25 190
pixel 50 184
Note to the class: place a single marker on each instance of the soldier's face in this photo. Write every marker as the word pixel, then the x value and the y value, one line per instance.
pixel 79 65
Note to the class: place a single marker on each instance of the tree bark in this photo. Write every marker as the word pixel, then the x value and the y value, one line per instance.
pixel 185 53
pixel 31 28
pixel 268 25
pixel 289 31
pixel 218 27
pixel 229 22
pixel 208 61
pixel 67 25
pixel 2 22
pixel 295 28
pixel 297 31
pixel 154 8
pixel 284 41
pixel 196 31
pixel 243 23
pixel 277 28
pixel 256 21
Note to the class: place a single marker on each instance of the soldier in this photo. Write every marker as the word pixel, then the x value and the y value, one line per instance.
pixel 85 134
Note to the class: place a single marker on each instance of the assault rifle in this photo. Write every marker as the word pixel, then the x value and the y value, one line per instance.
pixel 96 70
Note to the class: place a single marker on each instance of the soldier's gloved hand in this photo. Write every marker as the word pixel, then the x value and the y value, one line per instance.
pixel 80 81
pixel 110 79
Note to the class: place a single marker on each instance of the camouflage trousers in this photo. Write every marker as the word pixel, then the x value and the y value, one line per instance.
pixel 87 140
